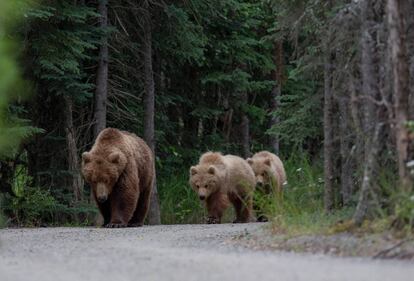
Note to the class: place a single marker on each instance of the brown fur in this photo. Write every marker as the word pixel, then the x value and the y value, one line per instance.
pixel 268 169
pixel 120 170
pixel 223 179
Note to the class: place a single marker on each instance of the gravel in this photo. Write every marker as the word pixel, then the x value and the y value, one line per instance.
pixel 171 252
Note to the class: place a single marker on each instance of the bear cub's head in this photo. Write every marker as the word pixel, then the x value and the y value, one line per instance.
pixel 262 171
pixel 205 179
pixel 102 172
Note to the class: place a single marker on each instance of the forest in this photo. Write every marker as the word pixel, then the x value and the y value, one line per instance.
pixel 326 85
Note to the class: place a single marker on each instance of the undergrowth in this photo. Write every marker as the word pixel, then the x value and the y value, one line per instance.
pixel 36 206
pixel 300 209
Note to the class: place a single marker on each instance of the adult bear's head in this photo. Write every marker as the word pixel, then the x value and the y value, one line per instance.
pixel 102 171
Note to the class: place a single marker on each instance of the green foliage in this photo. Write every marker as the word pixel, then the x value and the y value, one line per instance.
pixel 64 28
pixel 184 40
pixel 12 87
pixel 300 208
pixel 304 189
pixel 178 202
pixel 404 210
pixel 35 206
pixel 31 206
pixel 300 111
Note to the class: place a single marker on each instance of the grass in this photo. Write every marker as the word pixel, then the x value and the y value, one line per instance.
pixel 300 209
pixel 2 221
pixel 178 202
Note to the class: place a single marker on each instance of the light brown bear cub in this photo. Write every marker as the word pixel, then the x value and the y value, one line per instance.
pixel 270 176
pixel 120 170
pixel 220 179
pixel 269 170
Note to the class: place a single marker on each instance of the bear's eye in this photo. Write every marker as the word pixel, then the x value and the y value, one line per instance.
pixel 206 186
pixel 197 186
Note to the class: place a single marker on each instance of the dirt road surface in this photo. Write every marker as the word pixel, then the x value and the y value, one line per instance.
pixel 174 252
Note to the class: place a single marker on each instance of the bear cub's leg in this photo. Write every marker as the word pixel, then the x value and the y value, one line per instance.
pixel 242 206
pixel 217 203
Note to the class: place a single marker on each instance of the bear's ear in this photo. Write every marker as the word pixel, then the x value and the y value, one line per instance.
pixel 250 161
pixel 212 170
pixel 267 162
pixel 114 157
pixel 86 157
pixel 193 170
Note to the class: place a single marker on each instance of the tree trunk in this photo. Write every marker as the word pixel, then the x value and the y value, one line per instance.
pixel 245 129
pixel 346 152
pixel 76 181
pixel 410 48
pixel 101 92
pixel 372 126
pixel 276 92
pixel 367 198
pixel 369 69
pixel 328 148
pixel 400 70
pixel 149 104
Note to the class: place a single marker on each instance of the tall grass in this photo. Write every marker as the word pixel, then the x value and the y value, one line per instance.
pixel 300 208
pixel 178 202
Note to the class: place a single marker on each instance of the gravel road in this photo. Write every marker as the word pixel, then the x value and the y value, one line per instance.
pixel 174 252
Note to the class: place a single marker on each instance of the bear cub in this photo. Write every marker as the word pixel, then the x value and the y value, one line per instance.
pixel 220 179
pixel 270 177
pixel 120 170
pixel 268 170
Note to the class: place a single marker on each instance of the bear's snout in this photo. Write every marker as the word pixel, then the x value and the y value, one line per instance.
pixel 101 192
pixel 202 193
pixel 102 199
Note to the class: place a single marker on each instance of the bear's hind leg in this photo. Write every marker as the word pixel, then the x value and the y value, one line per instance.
pixel 242 206
pixel 142 209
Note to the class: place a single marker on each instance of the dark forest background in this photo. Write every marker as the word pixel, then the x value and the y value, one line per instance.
pixel 327 85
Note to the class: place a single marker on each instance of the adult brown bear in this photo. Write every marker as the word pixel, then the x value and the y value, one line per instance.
pixel 120 169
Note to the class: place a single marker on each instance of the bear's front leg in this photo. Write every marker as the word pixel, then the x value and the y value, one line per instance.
pixel 213 219
pixel 216 203
pixel 122 208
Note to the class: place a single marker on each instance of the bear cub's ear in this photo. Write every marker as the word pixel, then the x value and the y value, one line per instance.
pixel 250 161
pixel 212 170
pixel 267 162
pixel 114 157
pixel 86 157
pixel 193 170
